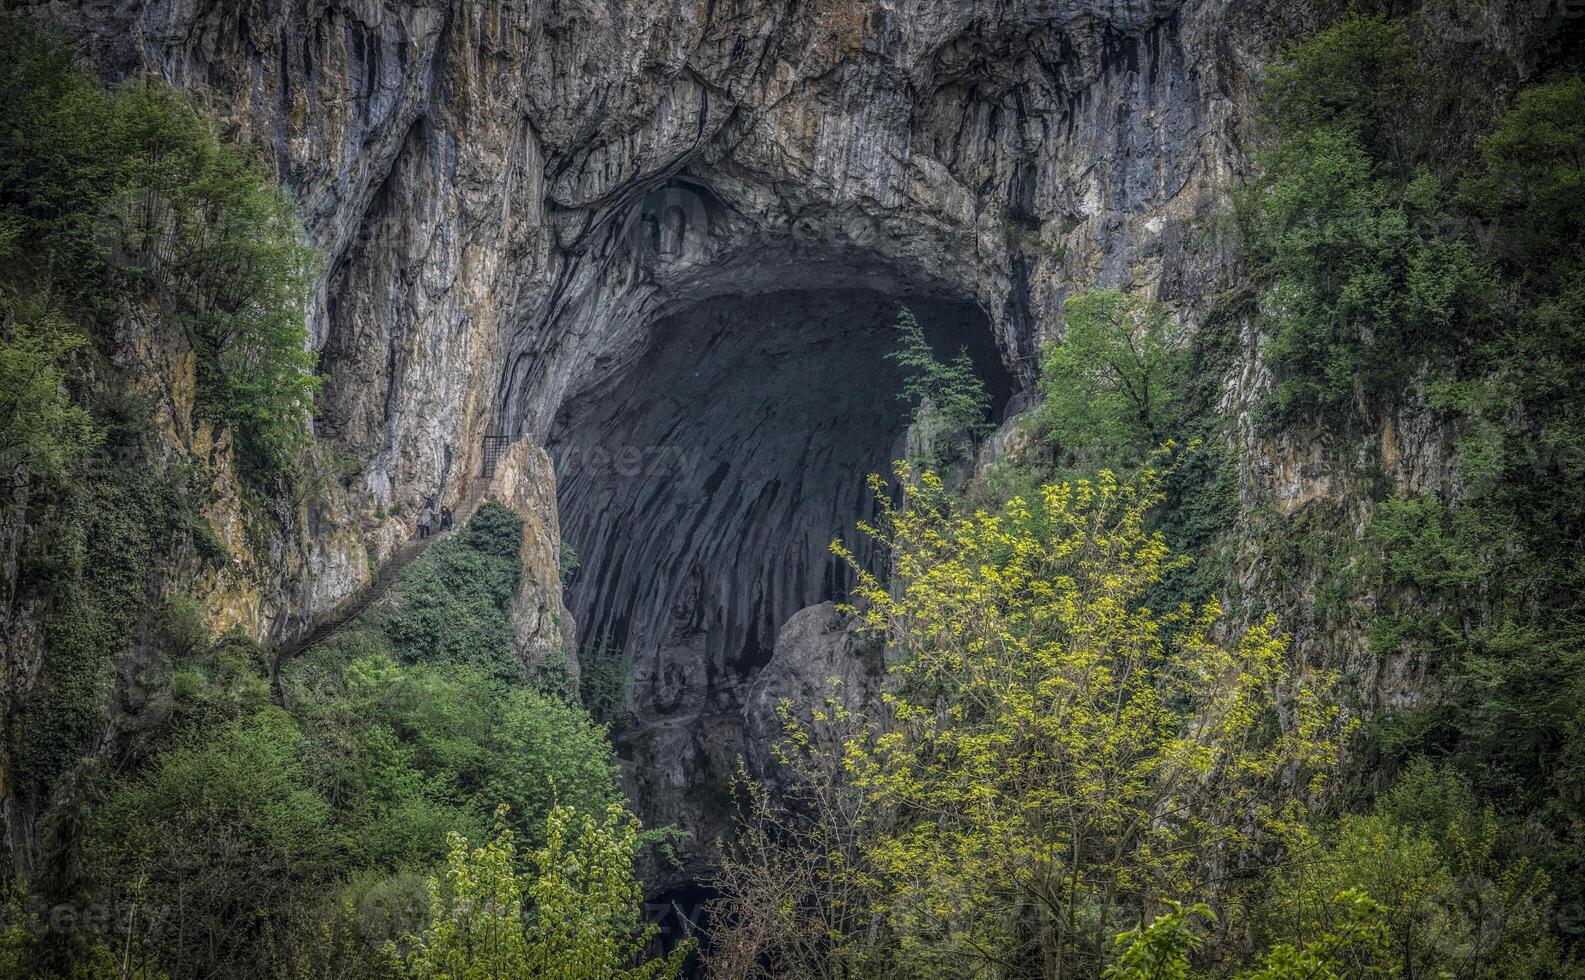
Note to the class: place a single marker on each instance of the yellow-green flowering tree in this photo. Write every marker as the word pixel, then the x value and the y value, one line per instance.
pixel 1060 760
pixel 574 916
pixel 1354 946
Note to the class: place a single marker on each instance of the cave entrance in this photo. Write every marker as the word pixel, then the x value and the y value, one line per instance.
pixel 701 486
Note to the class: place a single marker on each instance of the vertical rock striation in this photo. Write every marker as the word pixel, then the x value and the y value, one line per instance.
pixel 678 228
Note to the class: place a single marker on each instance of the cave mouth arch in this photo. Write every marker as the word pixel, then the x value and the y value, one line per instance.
pixel 701 485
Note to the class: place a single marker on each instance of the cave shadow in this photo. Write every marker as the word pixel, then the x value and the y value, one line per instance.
pixel 702 485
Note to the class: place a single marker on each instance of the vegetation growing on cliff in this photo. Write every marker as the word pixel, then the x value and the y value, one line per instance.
pixel 1460 276
pixel 178 811
pixel 124 218
pixel 126 199
pixel 245 837
pixel 1111 385
pixel 1062 781
pixel 949 400
pixel 42 430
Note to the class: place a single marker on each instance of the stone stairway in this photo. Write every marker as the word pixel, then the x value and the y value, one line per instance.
pixel 332 621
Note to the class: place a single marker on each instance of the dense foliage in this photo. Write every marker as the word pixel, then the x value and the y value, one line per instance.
pixel 1111 384
pixel 470 578
pixel 573 915
pixel 113 200
pixel 1365 283
pixel 42 430
pixel 1451 285
pixel 259 839
pixel 124 220
pixel 193 816
pixel 1055 759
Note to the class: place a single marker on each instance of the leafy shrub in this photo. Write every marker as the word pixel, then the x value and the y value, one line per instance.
pixel 567 562
pixel 42 430
pixel 1431 861
pixel 210 850
pixel 1162 949
pixel 575 915
pixel 1530 182
pixel 494 531
pixel 185 625
pixel 1355 77
pixel 1364 286
pixel 603 682
pixel 554 677
pixel 442 735
pixel 454 604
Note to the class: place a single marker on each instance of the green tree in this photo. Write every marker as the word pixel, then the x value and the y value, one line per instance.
pixel 1355 76
pixel 1058 758
pixel 1431 862
pixel 1109 385
pixel 574 915
pixel 1055 760
pixel 208 853
pixel 948 398
pixel 1531 179
pixel 1364 282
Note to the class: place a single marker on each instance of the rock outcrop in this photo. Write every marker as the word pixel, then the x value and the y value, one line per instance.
pixel 676 231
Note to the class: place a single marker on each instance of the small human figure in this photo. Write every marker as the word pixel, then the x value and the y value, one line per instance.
pixel 426 518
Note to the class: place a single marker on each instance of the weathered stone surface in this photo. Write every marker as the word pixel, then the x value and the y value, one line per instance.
pixel 534 214
pixel 541 625
pixel 516 200
pixel 820 656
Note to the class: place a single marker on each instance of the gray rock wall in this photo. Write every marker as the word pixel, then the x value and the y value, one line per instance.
pixel 512 195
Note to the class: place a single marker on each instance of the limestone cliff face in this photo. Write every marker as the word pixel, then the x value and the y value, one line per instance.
pixel 485 178
pixel 671 231
pixel 553 219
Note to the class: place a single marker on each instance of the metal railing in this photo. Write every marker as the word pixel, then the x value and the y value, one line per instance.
pixel 494 448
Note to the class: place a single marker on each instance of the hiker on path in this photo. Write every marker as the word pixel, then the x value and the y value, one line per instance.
pixel 445 518
pixel 426 518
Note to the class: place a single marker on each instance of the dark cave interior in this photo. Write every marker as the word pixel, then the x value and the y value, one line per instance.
pixel 701 486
